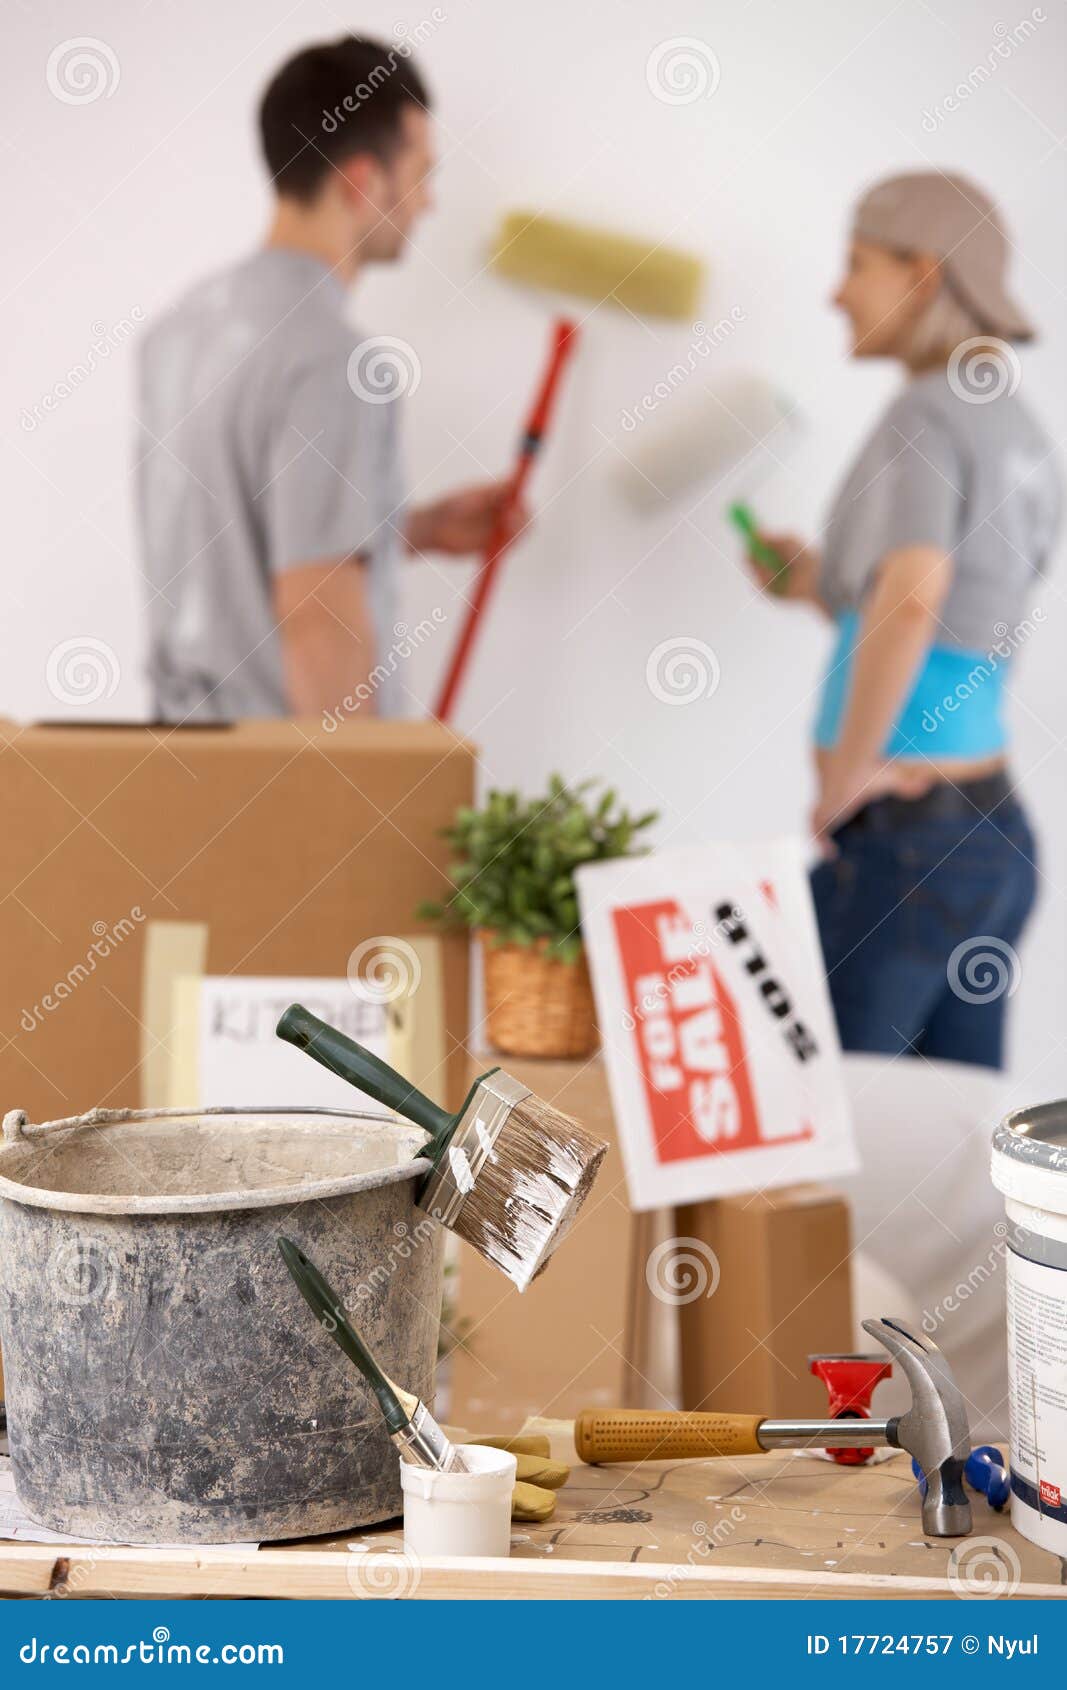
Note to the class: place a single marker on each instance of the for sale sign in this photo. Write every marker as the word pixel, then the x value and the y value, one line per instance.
pixel 718 1034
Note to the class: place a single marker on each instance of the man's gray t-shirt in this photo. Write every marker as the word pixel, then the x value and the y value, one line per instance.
pixel 255 454
pixel 976 477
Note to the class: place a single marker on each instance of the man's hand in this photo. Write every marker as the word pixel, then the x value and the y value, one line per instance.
pixel 464 522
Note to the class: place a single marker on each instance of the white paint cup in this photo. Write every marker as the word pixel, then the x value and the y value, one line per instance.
pixel 460 1513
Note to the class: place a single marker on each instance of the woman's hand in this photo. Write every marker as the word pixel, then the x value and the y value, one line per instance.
pixel 799 575
pixel 844 788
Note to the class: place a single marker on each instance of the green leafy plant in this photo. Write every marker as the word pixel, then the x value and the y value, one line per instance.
pixel 515 860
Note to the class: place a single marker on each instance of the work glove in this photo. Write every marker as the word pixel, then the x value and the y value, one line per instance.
pixel 537 1476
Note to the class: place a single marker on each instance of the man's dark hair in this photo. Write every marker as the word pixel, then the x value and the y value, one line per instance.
pixel 331 101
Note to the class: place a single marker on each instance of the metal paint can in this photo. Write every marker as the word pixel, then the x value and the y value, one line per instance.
pixel 165 1380
pixel 1029 1168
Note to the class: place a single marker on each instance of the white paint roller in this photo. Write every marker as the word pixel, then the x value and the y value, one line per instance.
pixel 670 445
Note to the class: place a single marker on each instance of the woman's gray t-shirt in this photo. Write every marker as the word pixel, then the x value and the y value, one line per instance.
pixel 972 473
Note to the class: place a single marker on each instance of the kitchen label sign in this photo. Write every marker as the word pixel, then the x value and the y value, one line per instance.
pixel 718 1034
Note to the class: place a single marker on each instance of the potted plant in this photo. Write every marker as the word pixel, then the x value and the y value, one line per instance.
pixel 513 873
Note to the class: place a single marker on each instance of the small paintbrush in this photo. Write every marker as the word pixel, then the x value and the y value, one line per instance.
pixel 410 1424
pixel 745 523
pixel 509 1172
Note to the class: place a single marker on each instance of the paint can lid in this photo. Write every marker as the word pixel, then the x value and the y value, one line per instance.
pixel 1029 1162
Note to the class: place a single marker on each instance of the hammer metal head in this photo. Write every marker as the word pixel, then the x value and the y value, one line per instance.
pixel 934 1430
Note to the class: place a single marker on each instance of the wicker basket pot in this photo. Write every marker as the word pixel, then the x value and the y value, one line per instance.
pixel 535 1004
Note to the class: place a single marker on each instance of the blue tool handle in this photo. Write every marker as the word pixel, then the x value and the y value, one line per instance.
pixel 987 1452
pixel 986 1471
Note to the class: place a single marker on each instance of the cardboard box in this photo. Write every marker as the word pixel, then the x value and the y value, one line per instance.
pixel 268 848
pixel 783 1293
pixel 563 1344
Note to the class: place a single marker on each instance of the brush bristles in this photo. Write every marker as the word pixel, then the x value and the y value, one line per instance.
pixel 529 1190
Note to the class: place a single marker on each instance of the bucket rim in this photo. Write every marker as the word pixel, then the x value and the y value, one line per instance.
pixel 1035 1137
pixel 187 1203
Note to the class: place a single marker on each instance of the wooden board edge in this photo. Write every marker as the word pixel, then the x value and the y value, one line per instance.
pixel 76 1571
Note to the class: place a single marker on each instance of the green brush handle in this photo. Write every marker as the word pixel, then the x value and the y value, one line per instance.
pixel 326 1306
pixel 745 523
pixel 343 1056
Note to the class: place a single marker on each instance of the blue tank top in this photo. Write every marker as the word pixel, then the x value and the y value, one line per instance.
pixel 955 709
pixel 980 482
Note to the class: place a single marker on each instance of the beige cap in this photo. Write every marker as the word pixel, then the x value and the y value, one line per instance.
pixel 948 216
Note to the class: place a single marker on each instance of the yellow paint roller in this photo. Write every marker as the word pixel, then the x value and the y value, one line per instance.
pixel 574 259
pixel 561 257
pixel 649 279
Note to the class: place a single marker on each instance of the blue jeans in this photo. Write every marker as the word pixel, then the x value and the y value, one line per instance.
pixel 919 914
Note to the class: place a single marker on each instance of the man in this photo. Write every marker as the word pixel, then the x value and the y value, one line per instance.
pixel 269 487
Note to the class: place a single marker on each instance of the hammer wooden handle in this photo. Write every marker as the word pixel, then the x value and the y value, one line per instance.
pixel 638 1434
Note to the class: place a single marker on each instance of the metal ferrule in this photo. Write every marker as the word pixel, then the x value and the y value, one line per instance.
pixel 840 1433
pixel 423 1444
pixel 471 1146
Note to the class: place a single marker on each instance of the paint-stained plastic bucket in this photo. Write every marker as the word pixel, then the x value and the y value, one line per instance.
pixel 165 1381
pixel 1029 1168
pixel 465 1513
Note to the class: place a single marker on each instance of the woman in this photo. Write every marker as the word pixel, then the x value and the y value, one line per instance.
pixel 934 541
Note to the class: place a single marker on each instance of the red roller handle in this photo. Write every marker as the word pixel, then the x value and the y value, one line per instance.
pixel 564 339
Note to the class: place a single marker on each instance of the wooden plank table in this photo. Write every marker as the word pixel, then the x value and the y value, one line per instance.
pixel 789 1525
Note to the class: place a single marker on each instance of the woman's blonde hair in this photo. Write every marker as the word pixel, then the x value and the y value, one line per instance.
pixel 942 326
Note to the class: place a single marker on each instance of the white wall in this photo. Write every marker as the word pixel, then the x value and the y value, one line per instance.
pixel 115 205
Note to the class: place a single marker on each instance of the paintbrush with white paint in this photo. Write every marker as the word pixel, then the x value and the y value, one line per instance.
pixel 410 1424
pixel 509 1172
